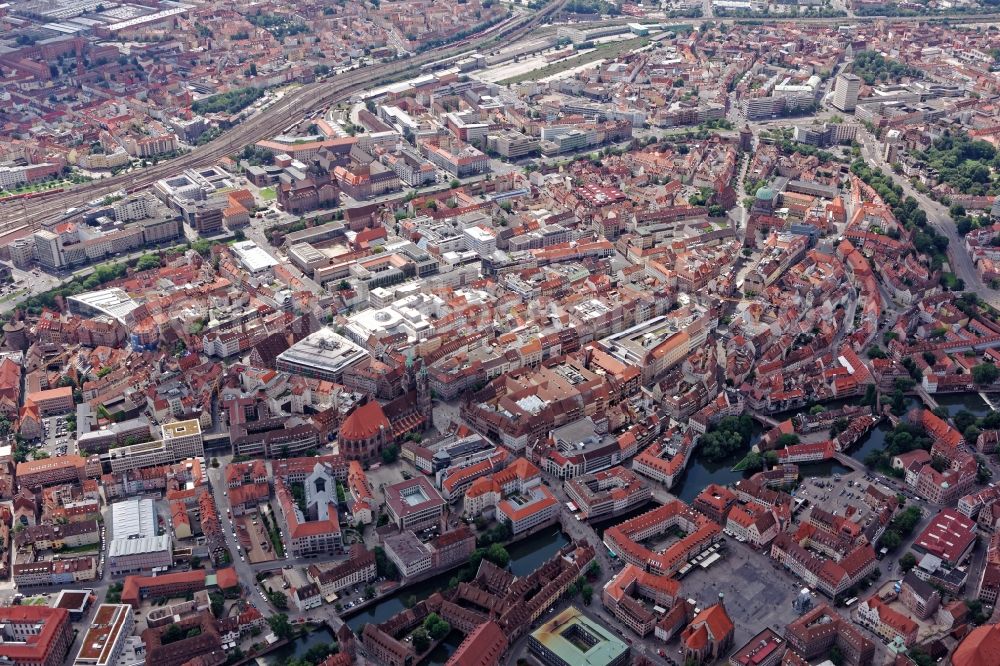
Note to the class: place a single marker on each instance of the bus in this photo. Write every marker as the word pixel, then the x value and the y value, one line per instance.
pixel 849 602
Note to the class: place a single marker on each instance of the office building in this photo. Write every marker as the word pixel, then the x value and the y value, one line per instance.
pixel 105 640
pixel 572 638
pixel 413 504
pixel 845 92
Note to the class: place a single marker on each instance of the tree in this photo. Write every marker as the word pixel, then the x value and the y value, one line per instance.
pixel 890 540
pixel 172 634
pixel 787 439
pixel 420 640
pixel 498 555
pixel 907 562
pixel 587 592
pixel 319 652
pixel 835 656
pixel 278 599
pixel 410 601
pixel 383 565
pixel 390 454
pixel 975 607
pixel 280 625
pixel 985 373
pixel 436 627
pixel 369 591
pixel 218 603
pixel 147 262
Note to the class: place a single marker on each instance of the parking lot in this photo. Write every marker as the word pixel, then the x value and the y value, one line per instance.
pixel 837 495
pixel 57 440
pixel 253 538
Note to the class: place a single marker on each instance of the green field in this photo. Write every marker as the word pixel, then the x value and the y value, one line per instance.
pixel 268 193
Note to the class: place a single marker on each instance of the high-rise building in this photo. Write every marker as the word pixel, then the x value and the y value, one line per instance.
pixel 47 249
pixel 845 92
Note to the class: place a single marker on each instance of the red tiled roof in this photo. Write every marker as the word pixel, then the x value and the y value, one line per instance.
pixel 364 422
pixel 980 647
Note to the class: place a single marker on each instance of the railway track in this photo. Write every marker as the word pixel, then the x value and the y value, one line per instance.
pixel 21 217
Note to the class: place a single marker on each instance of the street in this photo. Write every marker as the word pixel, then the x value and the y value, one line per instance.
pixel 938 217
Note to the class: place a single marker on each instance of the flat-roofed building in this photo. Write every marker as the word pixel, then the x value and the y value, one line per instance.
pixel 321 355
pixel 413 504
pixel 572 638
pixel 254 259
pixel 140 554
pixel 178 441
pixel 408 553
pixel 105 639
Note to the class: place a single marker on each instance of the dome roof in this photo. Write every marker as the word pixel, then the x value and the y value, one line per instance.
pixel 765 194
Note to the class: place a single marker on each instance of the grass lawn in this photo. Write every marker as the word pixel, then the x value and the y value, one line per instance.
pixel 36 187
pixel 268 193
pixel 608 50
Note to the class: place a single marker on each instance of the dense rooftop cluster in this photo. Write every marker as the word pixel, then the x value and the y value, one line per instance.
pixel 634 340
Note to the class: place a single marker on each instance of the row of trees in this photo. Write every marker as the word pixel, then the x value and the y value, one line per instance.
pixel 907 211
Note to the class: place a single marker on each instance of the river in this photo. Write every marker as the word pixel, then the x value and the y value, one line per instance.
pixel 952 402
pixel 298 648
pixel 956 402
pixel 525 556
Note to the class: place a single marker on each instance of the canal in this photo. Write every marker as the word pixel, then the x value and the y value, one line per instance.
pixel 525 556
pixel 952 402
pixel 956 402
pixel 298 648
